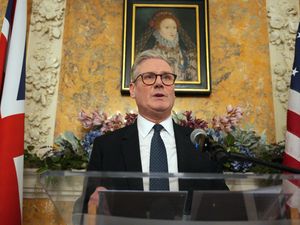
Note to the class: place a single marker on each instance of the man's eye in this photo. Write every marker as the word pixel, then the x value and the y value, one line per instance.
pixel 167 77
pixel 149 76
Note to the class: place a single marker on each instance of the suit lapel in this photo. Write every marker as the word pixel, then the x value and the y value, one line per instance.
pixel 130 148
pixel 184 148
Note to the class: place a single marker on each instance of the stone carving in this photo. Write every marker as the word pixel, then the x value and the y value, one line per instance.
pixel 41 80
pixel 283 23
pixel 35 134
pixel 43 64
pixel 47 17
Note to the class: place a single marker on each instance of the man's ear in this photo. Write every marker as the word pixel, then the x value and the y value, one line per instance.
pixel 132 90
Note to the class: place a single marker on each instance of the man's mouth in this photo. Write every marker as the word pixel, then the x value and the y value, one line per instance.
pixel 159 95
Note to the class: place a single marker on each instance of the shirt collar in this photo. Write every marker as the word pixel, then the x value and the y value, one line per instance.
pixel 145 126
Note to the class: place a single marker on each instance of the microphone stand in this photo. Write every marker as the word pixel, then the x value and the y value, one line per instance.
pixel 221 155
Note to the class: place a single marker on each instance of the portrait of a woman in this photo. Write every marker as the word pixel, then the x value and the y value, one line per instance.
pixel 166 35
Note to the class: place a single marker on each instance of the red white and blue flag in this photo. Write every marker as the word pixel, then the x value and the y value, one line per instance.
pixel 292 146
pixel 12 97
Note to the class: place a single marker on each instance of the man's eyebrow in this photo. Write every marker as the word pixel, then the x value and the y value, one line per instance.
pixel 161 72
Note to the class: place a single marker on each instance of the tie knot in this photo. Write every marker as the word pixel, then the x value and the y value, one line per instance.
pixel 157 127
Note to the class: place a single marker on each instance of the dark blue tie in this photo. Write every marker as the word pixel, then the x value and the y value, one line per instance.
pixel 158 160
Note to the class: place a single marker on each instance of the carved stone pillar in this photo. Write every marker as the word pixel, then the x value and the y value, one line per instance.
pixel 283 18
pixel 43 67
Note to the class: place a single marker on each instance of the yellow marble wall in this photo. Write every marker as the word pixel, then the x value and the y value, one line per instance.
pixel 40 211
pixel 240 70
pixel 2 10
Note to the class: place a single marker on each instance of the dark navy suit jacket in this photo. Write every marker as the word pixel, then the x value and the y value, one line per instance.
pixel 120 151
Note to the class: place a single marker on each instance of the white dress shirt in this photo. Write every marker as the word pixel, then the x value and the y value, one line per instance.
pixel 145 131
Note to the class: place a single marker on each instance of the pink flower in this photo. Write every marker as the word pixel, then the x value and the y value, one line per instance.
pixel 191 122
pixel 85 120
pixel 222 123
pixel 224 119
pixel 98 119
pixel 130 118
pixel 113 123
pixel 226 122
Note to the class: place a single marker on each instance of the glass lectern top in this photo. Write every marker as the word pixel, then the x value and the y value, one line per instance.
pixel 194 199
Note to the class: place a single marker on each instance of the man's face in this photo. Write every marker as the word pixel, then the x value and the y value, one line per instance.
pixel 154 102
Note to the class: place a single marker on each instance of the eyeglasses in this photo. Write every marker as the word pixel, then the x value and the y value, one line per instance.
pixel 149 78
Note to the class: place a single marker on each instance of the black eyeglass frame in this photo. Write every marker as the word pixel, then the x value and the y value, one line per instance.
pixel 156 75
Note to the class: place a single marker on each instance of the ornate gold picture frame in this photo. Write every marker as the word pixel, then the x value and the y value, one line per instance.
pixel 179 30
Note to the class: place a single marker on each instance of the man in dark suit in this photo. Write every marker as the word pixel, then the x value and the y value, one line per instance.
pixel 130 148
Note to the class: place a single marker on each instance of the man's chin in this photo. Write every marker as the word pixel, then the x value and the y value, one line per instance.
pixel 160 106
pixel 161 109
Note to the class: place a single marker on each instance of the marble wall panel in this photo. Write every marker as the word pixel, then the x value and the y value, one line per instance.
pixel 2 10
pixel 40 211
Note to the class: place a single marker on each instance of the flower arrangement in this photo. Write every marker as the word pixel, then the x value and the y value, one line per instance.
pixel 71 152
pixel 66 153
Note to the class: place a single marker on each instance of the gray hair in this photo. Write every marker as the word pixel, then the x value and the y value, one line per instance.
pixel 148 54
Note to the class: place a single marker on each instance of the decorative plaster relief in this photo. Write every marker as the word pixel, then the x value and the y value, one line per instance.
pixel 42 77
pixel 47 18
pixel 43 64
pixel 283 27
pixel 37 134
pixel 283 18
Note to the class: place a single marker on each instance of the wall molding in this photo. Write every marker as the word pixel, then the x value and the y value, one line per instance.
pixel 43 67
pixel 283 17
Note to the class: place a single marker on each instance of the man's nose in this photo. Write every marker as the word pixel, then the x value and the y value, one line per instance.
pixel 158 81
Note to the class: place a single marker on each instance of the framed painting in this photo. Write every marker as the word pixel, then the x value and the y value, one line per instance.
pixel 178 30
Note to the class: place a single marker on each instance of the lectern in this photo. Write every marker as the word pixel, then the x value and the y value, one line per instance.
pixel 251 199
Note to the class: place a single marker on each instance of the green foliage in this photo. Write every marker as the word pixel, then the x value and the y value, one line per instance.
pixel 250 144
pixel 272 153
pixel 67 153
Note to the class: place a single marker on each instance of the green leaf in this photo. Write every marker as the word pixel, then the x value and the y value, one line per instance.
pixel 229 140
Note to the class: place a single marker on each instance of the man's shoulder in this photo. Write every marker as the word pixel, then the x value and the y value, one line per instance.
pixel 184 129
pixel 119 133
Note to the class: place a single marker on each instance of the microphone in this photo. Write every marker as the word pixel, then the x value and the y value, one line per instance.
pixel 205 143
pixel 198 138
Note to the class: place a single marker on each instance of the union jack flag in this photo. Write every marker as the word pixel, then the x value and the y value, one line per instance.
pixel 12 96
